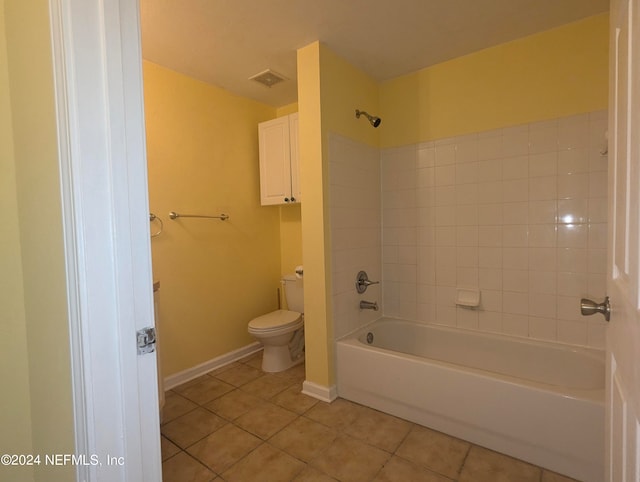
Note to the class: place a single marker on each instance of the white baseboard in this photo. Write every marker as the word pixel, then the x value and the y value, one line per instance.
pixel 326 394
pixel 194 372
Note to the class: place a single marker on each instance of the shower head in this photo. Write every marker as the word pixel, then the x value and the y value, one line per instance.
pixel 374 120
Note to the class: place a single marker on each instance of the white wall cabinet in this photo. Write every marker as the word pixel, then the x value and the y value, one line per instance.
pixel 279 161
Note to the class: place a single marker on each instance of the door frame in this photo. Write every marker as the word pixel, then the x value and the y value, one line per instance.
pixel 97 65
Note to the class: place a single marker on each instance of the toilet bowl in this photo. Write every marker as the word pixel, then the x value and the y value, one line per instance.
pixel 281 332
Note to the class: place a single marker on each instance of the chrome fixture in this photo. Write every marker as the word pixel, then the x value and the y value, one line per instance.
pixel 362 282
pixel 588 307
pixel 152 218
pixel 369 305
pixel 175 215
pixel 374 120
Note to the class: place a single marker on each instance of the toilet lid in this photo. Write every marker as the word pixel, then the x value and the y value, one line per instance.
pixel 275 319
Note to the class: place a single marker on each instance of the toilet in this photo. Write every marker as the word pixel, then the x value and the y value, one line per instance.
pixel 282 331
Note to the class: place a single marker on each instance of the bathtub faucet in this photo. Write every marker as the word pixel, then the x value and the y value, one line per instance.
pixel 369 305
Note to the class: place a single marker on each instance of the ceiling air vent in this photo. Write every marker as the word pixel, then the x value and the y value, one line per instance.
pixel 268 78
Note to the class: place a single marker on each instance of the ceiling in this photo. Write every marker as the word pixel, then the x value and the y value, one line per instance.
pixel 224 42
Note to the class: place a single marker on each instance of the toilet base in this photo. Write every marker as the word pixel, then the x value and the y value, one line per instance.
pixel 278 358
pixel 283 348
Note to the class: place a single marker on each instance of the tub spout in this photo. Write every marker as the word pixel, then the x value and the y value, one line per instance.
pixel 369 305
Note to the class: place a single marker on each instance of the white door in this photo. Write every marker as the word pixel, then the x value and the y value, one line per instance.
pixel 98 91
pixel 623 333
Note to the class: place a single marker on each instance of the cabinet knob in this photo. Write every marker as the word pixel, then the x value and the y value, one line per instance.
pixel 286 199
pixel 293 199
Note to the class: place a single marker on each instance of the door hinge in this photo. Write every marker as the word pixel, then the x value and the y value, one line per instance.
pixel 146 340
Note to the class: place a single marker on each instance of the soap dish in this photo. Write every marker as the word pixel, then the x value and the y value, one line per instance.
pixel 468 297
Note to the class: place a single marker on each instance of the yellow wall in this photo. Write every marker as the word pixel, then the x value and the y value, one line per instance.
pixel 40 228
pixel 290 238
pixel 552 74
pixel 329 91
pixel 15 403
pixel 215 276
pixel 287 109
pixel 345 89
pixel 315 233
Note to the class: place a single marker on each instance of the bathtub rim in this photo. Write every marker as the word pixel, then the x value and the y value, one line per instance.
pixel 596 395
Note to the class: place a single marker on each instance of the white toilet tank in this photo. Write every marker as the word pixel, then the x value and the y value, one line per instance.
pixel 294 292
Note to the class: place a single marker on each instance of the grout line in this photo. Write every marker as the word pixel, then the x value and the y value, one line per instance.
pixel 464 461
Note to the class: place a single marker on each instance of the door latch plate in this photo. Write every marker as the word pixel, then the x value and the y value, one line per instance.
pixel 146 338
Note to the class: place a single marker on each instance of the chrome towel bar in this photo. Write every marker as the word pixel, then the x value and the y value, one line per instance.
pixel 175 215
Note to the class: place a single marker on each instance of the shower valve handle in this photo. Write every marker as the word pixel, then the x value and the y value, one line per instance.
pixel 363 282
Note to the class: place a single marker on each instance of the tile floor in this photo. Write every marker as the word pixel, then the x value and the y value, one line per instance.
pixel 239 424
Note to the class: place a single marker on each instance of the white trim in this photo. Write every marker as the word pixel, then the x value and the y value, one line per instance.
pixel 321 392
pixel 97 69
pixel 184 376
pixel 74 266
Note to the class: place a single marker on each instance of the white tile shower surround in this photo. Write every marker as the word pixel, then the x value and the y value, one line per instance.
pixel 519 212
pixel 356 229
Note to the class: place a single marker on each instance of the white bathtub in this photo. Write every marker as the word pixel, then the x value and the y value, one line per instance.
pixel 536 401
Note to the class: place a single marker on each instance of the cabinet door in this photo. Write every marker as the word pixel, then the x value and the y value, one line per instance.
pixel 275 161
pixel 295 158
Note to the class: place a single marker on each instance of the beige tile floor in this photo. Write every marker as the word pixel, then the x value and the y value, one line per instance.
pixel 239 424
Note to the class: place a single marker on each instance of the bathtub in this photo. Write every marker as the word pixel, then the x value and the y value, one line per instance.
pixel 536 401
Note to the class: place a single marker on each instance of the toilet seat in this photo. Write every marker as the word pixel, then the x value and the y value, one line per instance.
pixel 276 321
